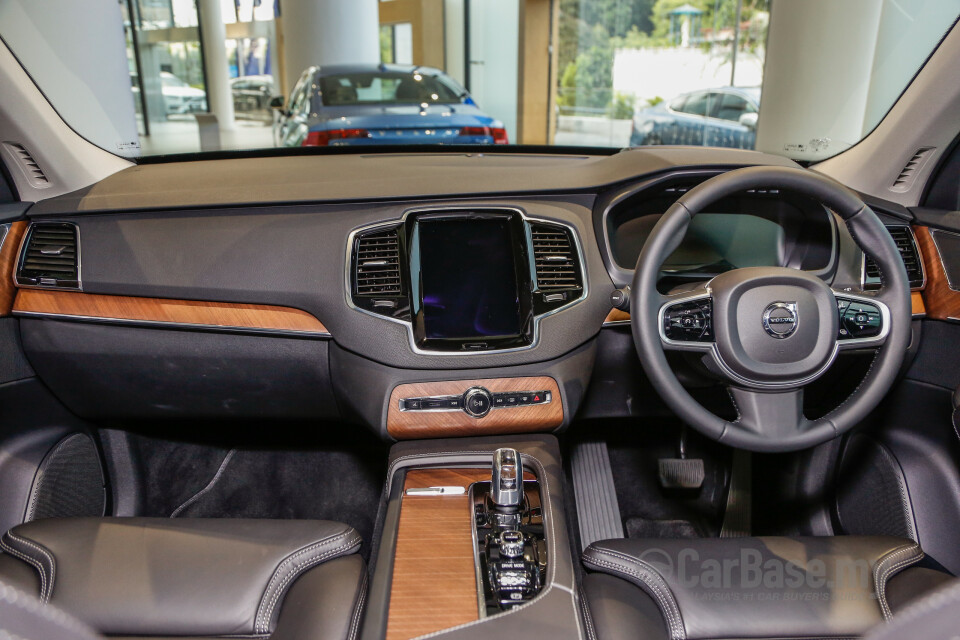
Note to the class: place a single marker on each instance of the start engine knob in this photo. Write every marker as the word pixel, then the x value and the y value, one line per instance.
pixel 477 402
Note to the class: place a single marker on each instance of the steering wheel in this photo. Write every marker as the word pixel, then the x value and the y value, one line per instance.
pixel 770 331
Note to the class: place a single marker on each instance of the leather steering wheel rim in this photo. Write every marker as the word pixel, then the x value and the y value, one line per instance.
pixel 771 419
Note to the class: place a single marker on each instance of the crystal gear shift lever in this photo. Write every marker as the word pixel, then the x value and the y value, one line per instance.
pixel 506 489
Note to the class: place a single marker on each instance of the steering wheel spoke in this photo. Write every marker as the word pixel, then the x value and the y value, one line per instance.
pixel 864 321
pixel 776 415
pixel 686 321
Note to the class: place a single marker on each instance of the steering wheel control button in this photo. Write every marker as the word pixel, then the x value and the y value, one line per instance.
pixel 859 320
pixel 477 402
pixel 780 319
pixel 689 321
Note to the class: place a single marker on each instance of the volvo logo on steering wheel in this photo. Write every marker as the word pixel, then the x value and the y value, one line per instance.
pixel 780 319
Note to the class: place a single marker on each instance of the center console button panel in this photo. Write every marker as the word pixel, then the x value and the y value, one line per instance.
pixel 477 402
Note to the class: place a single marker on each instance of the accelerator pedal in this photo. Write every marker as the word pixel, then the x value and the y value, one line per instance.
pixel 681 473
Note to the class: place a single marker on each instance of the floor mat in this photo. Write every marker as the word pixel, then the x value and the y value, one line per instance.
pixel 341 481
pixel 642 528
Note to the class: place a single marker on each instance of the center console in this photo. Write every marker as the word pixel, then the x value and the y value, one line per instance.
pixel 473 542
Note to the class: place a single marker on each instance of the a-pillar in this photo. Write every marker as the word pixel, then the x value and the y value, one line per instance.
pixel 319 32
pixel 213 37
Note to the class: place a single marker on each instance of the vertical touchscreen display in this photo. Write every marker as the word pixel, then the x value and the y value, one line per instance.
pixel 468 279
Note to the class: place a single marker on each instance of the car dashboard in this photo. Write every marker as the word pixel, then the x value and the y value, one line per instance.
pixel 418 295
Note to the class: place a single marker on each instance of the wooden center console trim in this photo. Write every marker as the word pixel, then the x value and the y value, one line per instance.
pixel 434 581
pixel 222 315
pixel 405 425
pixel 942 302
pixel 8 261
pixel 434 584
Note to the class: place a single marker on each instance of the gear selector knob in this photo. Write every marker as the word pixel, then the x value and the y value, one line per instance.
pixel 507 482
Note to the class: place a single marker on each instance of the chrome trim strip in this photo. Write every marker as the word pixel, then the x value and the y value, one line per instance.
pixel 481 595
pixel 23 241
pixel 348 284
pixel 163 324
pixel 4 229
pixel 943 265
pixel 916 245
pixel 615 323
pixel 435 491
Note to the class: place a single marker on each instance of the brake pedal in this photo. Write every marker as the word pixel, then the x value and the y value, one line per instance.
pixel 681 473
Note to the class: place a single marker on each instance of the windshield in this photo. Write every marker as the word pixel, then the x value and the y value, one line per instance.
pixel 803 79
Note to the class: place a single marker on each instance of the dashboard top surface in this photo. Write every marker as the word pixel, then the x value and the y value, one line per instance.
pixel 385 176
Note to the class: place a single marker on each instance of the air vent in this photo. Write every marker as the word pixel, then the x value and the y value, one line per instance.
pixel 555 258
pixel 31 169
pixel 908 175
pixel 51 256
pixel 378 264
pixel 907 245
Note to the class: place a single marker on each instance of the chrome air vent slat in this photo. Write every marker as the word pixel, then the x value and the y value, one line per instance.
pixel 50 257
pixel 907 246
pixel 555 258
pixel 377 270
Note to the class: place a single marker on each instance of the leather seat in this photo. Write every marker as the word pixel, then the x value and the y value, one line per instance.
pixel 153 577
pixel 829 587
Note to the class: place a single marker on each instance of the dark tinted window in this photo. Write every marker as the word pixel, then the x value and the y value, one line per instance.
pixel 697 104
pixel 732 106
pixel 386 88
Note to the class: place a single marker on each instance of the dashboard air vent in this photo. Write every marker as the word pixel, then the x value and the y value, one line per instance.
pixel 907 245
pixel 31 169
pixel 908 175
pixel 51 256
pixel 378 264
pixel 555 258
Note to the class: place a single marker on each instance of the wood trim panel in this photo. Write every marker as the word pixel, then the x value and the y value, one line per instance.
pixel 434 581
pixel 8 262
pixel 917 306
pixel 223 315
pixel 616 315
pixel 435 424
pixel 434 584
pixel 941 302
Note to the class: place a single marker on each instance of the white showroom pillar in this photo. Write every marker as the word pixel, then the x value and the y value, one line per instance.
pixel 318 32
pixel 213 36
